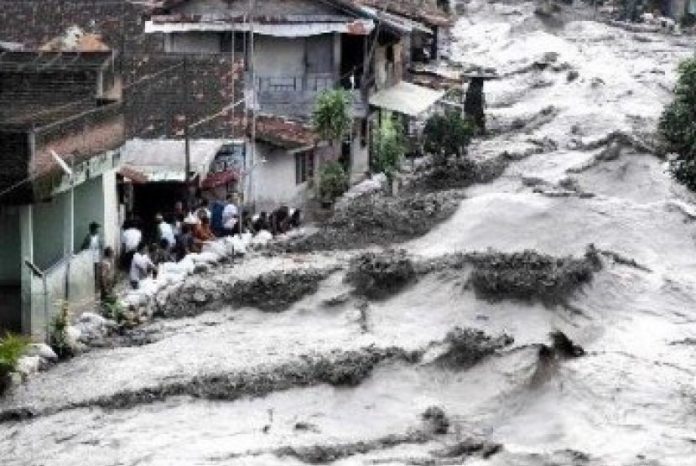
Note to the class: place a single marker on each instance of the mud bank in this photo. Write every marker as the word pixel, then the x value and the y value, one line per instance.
pixel 272 292
pixel 527 275
pixel 337 368
pixel 376 219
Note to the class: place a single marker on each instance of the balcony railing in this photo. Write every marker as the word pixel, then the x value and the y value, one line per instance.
pixel 312 82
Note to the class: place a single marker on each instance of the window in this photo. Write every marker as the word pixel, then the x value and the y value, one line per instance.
pixel 304 166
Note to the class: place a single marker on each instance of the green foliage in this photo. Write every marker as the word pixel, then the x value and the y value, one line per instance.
pixel 59 332
pixel 112 309
pixel 678 125
pixel 12 347
pixel 331 115
pixel 447 134
pixel 390 148
pixel 333 181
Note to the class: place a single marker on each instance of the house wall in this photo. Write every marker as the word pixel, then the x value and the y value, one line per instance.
pixel 276 56
pixel 193 42
pixel 274 181
pixel 49 222
pixel 89 207
pixel 10 269
pixel 10 244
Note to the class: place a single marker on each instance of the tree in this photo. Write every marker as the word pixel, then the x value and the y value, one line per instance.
pixel 333 181
pixel 677 126
pixel 390 148
pixel 332 116
pixel 447 134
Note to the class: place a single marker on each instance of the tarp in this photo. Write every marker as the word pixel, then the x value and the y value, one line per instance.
pixel 165 159
pixel 409 99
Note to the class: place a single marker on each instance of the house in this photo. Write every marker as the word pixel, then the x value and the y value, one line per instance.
pixel 300 48
pixel 680 9
pixel 54 103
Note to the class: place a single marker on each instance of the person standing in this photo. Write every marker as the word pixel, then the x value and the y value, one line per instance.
pixel 107 275
pixel 141 266
pixel 230 216
pixel 165 232
pixel 94 244
pixel 130 239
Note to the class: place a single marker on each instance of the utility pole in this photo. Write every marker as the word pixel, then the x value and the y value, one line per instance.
pixel 187 138
pixel 252 72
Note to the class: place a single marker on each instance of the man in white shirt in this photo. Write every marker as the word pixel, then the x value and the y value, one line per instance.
pixel 230 216
pixel 141 266
pixel 165 231
pixel 130 240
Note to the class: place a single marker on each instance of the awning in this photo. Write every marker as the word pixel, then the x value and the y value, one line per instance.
pixel 409 99
pixel 358 27
pixel 161 160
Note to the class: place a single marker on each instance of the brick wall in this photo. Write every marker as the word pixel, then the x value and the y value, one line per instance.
pixel 153 108
pixel 14 147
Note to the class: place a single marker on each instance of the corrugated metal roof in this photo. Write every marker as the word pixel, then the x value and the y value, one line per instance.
pixel 165 159
pixel 409 99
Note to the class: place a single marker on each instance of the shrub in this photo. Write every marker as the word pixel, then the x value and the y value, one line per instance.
pixel 59 332
pixel 332 115
pixel 677 125
pixel 112 309
pixel 12 347
pixel 390 148
pixel 333 181
pixel 447 134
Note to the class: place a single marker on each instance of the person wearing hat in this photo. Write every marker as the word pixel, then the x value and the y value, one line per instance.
pixel 93 242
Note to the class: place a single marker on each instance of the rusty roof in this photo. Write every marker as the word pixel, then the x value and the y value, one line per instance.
pixel 284 132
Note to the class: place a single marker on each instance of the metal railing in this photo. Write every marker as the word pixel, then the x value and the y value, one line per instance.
pixel 311 82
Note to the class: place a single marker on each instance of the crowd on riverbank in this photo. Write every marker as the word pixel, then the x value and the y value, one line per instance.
pixel 171 236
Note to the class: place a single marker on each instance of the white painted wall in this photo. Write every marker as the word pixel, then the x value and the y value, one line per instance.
pixel 112 219
pixel 275 180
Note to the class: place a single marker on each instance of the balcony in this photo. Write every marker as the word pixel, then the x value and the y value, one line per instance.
pixel 294 96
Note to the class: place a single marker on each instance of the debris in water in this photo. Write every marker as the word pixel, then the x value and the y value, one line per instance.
pixel 381 275
pixel 530 275
pixel 436 419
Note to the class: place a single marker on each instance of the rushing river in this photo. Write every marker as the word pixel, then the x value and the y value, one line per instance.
pixel 630 401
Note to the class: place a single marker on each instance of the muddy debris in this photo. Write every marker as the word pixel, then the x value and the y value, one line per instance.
pixel 276 291
pixel 325 454
pixel 379 275
pixel 379 220
pixel 458 173
pixel 564 347
pixel 466 347
pixel 530 275
pixel 467 448
pixel 436 419
pixel 270 292
pixel 337 368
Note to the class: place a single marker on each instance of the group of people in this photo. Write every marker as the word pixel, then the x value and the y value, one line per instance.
pixel 176 234
pixel 184 231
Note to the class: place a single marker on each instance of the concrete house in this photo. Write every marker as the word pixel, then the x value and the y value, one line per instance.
pixel 58 102
pixel 300 48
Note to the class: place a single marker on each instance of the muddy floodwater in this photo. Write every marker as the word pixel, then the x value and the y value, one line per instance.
pixel 345 379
